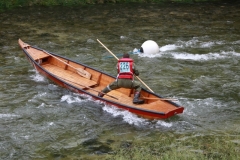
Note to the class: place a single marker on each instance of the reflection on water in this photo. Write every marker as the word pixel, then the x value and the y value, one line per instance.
pixel 197 64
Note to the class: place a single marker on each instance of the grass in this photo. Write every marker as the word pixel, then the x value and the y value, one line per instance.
pixel 181 147
pixel 8 4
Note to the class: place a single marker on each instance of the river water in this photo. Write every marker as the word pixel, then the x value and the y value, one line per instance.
pixel 198 64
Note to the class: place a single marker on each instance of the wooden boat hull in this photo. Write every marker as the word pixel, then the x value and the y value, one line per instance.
pixel 62 71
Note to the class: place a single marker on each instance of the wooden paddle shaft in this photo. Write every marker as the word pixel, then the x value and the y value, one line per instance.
pixel 107 49
pixel 59 59
pixel 118 59
pixel 81 71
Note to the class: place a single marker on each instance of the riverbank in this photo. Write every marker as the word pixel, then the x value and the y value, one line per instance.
pixel 177 146
pixel 6 4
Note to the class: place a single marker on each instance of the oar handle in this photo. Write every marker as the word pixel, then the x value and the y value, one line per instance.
pixel 117 59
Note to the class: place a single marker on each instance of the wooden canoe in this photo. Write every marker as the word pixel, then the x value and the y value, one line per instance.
pixel 83 79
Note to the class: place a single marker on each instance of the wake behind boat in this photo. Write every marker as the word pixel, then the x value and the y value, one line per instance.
pixel 83 79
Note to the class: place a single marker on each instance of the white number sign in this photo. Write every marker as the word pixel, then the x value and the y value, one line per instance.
pixel 124 67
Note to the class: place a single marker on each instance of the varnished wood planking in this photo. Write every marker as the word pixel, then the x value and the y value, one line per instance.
pixel 70 76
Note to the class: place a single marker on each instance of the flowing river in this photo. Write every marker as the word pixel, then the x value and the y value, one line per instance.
pixel 198 64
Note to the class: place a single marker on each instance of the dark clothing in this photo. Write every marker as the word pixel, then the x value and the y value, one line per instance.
pixel 123 83
pixel 125 79
pixel 127 82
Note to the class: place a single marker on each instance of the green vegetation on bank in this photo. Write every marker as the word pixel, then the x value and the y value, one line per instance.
pixel 181 147
pixel 7 4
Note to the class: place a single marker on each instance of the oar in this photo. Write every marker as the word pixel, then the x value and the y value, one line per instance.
pixel 117 59
pixel 80 71
pixel 88 87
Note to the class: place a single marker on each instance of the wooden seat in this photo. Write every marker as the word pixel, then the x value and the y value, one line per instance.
pixel 70 77
pixel 36 54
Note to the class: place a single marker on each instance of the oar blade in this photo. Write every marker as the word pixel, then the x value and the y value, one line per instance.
pixel 83 73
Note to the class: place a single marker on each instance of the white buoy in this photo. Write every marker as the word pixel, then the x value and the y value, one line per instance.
pixel 149 47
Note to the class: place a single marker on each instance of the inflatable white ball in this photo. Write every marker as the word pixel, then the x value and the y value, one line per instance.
pixel 149 47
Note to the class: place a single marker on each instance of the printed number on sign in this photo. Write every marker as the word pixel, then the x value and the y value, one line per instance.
pixel 124 67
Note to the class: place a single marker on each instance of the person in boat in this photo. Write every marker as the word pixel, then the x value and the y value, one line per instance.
pixel 125 78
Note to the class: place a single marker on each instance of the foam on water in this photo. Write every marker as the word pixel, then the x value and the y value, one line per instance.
pixel 168 47
pixel 133 119
pixel 197 112
pixel 123 37
pixel 195 57
pixel 70 99
pixel 38 77
pixel 198 42
pixel 198 104
pixel 39 95
pixel 236 42
pixel 75 98
pixel 165 124
pixel 42 105
pixel 8 115
pixel 176 50
pixel 90 41
pixel 126 116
